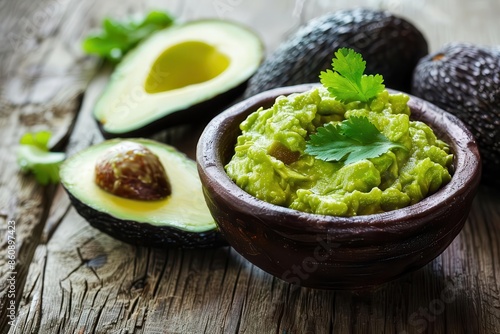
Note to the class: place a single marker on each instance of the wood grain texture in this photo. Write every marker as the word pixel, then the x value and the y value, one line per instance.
pixel 71 278
pixel 32 97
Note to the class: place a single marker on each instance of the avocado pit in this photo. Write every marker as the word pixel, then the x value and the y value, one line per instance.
pixel 130 170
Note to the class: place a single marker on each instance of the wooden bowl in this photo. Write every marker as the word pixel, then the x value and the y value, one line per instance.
pixel 329 252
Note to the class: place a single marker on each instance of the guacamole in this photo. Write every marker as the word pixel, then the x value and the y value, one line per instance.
pixel 270 162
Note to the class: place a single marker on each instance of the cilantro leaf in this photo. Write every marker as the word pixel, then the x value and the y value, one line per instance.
pixel 328 144
pixel 349 64
pixel 118 37
pixel 39 139
pixel 33 156
pixel 347 81
pixel 351 140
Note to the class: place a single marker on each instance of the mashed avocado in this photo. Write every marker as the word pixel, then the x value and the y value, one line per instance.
pixel 270 163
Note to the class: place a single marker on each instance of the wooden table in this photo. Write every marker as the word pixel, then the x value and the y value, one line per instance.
pixel 71 278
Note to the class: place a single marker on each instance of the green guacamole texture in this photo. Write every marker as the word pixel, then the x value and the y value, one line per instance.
pixel 270 163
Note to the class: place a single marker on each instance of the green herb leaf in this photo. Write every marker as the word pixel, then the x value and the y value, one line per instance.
pixel 353 139
pixel 39 139
pixel 118 37
pixel 347 81
pixel 33 156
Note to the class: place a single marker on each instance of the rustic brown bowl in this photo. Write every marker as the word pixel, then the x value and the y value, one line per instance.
pixel 331 252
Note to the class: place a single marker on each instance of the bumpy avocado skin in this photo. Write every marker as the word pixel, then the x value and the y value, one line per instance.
pixel 390 45
pixel 144 234
pixel 464 79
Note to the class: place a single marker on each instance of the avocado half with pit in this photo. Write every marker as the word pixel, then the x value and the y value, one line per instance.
pixel 182 219
pixel 178 75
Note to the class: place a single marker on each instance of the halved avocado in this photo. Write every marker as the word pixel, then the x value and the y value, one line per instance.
pixel 178 75
pixel 182 219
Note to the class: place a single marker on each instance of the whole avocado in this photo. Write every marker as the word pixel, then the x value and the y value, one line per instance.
pixel 390 45
pixel 464 79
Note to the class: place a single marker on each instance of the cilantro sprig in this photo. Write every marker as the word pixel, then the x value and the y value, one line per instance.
pixel 347 81
pixel 351 140
pixel 118 37
pixel 33 156
pixel 355 138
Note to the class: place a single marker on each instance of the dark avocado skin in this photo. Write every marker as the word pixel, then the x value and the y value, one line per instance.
pixel 464 79
pixel 198 113
pixel 144 234
pixel 390 45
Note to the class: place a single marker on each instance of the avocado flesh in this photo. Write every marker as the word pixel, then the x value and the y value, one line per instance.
pixel 181 219
pixel 185 64
pixel 178 75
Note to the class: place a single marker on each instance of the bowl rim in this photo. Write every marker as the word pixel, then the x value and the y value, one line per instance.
pixel 467 165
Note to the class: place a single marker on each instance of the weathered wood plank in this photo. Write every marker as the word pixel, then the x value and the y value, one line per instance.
pixel 43 76
pixel 83 281
pixel 32 98
pixel 103 283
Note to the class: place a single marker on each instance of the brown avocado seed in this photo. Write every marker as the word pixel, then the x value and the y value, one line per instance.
pixel 131 170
